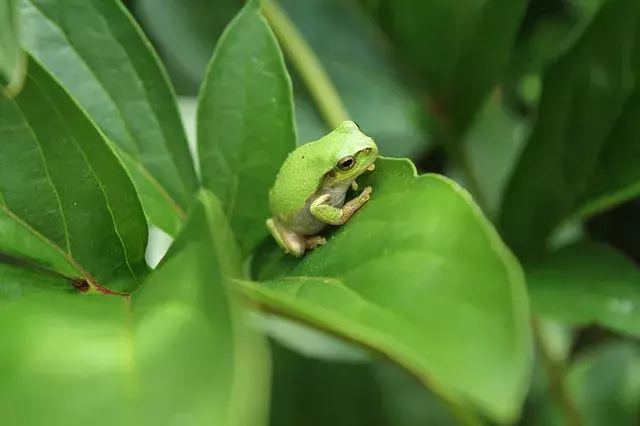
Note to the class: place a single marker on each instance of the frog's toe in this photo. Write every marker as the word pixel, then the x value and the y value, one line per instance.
pixel 313 242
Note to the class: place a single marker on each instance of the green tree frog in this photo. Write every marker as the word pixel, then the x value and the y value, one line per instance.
pixel 310 188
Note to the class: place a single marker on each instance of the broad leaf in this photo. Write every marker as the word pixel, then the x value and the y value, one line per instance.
pixel 617 176
pixel 604 384
pixel 421 276
pixel 12 59
pixel 460 48
pixel 364 73
pixel 493 144
pixel 245 122
pixel 176 352
pixel 584 284
pixel 195 26
pixel 583 97
pixel 95 49
pixel 65 200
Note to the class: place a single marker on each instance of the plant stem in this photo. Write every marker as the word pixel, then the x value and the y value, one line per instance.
pixel 556 374
pixel 307 64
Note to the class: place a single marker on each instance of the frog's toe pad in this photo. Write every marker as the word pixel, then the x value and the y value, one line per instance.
pixel 313 242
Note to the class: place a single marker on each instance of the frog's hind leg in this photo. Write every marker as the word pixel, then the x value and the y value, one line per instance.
pixel 289 241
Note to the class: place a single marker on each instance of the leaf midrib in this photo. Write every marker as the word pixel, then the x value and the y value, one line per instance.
pixel 175 205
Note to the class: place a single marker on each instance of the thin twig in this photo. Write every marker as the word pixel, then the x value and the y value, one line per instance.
pixel 556 374
pixel 307 64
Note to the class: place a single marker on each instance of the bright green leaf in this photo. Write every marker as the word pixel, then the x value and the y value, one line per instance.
pixel 421 276
pixel 583 97
pixel 460 48
pixel 176 352
pixel 12 59
pixel 245 123
pixel 586 283
pixel 65 200
pixel 95 49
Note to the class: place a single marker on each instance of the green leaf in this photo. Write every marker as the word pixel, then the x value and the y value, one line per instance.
pixel 460 48
pixel 12 59
pixel 95 49
pixel 583 97
pixel 186 49
pixel 65 200
pixel 176 352
pixel 421 276
pixel 18 282
pixel 493 144
pixel 617 178
pixel 364 73
pixel 245 123
pixel 604 383
pixel 586 283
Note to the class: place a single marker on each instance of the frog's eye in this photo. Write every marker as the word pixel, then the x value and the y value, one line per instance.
pixel 346 163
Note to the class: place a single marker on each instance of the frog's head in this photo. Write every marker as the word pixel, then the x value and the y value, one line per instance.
pixel 353 153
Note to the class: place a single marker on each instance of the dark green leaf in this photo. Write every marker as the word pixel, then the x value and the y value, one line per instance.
pixel 65 200
pixel 604 384
pixel 617 176
pixel 587 283
pixel 460 48
pixel 314 392
pixel 195 26
pixel 583 96
pixel 493 144
pixel 12 59
pixel 551 36
pixel 95 49
pixel 177 352
pixel 245 123
pixel 421 276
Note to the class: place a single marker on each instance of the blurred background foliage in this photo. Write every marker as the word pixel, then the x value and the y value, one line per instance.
pixel 456 86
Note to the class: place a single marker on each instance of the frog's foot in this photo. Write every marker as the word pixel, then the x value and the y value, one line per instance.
pixel 289 241
pixel 354 185
pixel 313 242
pixel 372 167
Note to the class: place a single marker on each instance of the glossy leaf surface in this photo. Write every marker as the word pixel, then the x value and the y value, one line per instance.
pixel 245 123
pixel 65 199
pixel 419 275
pixel 95 49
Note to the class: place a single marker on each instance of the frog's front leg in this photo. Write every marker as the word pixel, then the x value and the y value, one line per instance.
pixel 334 215
pixel 290 241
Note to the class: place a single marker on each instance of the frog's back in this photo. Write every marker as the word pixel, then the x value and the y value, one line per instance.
pixel 298 179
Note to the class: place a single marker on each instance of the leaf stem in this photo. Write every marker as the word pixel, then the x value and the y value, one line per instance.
pixel 556 373
pixel 307 64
